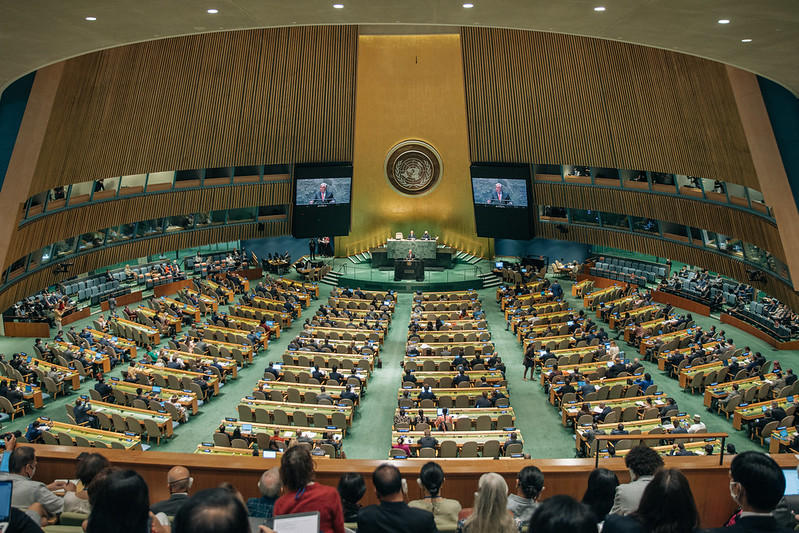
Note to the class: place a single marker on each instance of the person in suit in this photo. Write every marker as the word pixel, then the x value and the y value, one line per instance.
pixel 103 388
pixel 323 196
pixel 757 485
pixel 411 255
pixel 393 514
pixel 499 196
pixel 412 236
pixel 786 510
pixel 642 461
pixel 179 481
pixel 604 410
pixel 428 441
pixel 426 236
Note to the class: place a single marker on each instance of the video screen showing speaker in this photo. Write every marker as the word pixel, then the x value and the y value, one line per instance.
pixel 501 195
pixel 322 200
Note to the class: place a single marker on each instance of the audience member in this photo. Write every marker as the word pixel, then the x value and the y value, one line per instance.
pixel 269 485
pixel 529 486
pixel 77 501
pixel 297 474
pixel 120 501
pixel 445 511
pixel 179 481
pixel 600 492
pixel 351 488
pixel 489 514
pixel 560 514
pixel 215 510
pixel 393 514
pixel 667 505
pixel 27 492
pixel 642 461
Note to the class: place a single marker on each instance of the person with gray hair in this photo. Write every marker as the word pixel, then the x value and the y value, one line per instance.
pixel 270 487
pixel 490 512
pixel 323 196
pixel 499 196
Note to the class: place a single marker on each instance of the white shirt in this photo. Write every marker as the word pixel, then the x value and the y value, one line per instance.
pixel 696 427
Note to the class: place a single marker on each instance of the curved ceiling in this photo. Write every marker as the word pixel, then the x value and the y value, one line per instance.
pixel 38 33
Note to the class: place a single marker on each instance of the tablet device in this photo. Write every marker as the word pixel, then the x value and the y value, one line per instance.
pixel 269 454
pixel 5 500
pixel 296 523
pixel 156 389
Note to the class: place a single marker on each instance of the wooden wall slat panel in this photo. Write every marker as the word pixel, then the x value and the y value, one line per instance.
pixel 703 215
pixel 279 95
pixel 135 249
pixel 714 262
pixel 562 99
pixel 92 217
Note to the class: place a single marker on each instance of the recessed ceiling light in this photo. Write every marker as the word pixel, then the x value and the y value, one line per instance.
pixel 746 40
pixel 91 19
pixel 599 8
pixel 338 6
pixel 213 11
pixel 468 6
pixel 724 21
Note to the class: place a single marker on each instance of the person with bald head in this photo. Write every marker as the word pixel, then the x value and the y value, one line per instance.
pixel 179 481
pixel 270 487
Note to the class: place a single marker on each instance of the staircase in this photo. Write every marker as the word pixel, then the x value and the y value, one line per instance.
pixel 331 278
pixel 465 257
pixel 491 280
pixel 362 257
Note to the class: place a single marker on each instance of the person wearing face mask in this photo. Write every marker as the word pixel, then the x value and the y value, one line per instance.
pixel 757 485
pixel 29 494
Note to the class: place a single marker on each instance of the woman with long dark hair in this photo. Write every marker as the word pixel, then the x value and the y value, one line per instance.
pixel 600 492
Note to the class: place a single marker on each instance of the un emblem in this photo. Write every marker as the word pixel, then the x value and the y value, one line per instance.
pixel 413 168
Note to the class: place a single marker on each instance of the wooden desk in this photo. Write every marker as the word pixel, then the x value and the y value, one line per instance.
pixel 459 437
pixel 26 329
pixel 230 452
pixel 233 339
pixel 130 442
pixel 273 305
pixel 121 342
pixel 186 399
pixel 645 426
pixel 532 286
pixel 453 346
pixel 286 432
pixel 152 334
pixel 123 300
pixel 492 376
pixel 29 392
pixel 722 389
pixel 571 411
pixel 283 319
pixel 312 288
pixel 754 410
pixel 308 409
pixel 229 366
pixel 163 420
pixel 664 356
pixel 648 342
pixel 689 372
pixel 267 387
pixel 308 358
pixel 361 374
pixel 346 334
pixel 472 413
pixel 93 357
pixel 590 300
pixel 526 299
pixel 683 303
pixel 186 309
pixel 66 374
pixel 209 301
pixel 175 322
pixel 213 382
pixel 472 393
pixel 577 288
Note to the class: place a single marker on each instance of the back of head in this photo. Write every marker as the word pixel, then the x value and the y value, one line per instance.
pixel 490 505
pixel 563 513
pixel 387 480
pixel 296 468
pixel 531 481
pixel 120 502
pixel 600 492
pixel 761 479
pixel 20 458
pixel 668 490
pixel 212 511
pixel 643 461
pixel 351 487
pixel 90 466
pixel 270 484
pixel 431 478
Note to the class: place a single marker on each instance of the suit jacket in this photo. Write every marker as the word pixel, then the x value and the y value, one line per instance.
pixel 395 517
pixel 171 506
pixel 783 511
pixel 752 524
pixel 628 496
pixel 505 198
pixel 317 198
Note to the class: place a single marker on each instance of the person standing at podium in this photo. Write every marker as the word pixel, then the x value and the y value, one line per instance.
pixel 499 197
pixel 411 255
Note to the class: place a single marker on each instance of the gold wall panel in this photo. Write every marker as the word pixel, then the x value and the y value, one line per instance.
pixel 279 95
pixel 411 87
pixel 96 216
pixel 703 215
pixel 133 250
pixel 714 262
pixel 546 98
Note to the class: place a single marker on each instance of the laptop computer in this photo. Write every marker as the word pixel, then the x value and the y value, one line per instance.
pixel 296 522
pixel 5 501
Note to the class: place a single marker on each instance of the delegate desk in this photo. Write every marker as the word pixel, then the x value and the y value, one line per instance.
pixel 435 377
pixel 348 361
pixel 483 348
pixel 580 286
pixel 209 301
pixel 93 357
pixel 648 327
pixel 721 390
pixel 422 248
pixel 779 441
pixel 230 337
pixel 250 324
pixel 282 319
pixel 591 299
pixel 569 412
pixel 311 288
pixel 293 373
pixel 644 426
pixel 618 302
pixel 281 389
pixel 680 335
pixel 170 320
pixel 688 373
pixel 470 393
pixel 496 414
pixel 160 394
pixel 697 447
pixel 113 439
pixel 120 342
pixel 229 366
pixel 663 357
pixel 533 298
pixel 554 390
pixel 616 319
pixel 273 305
pixel 361 303
pixel 218 290
pixel 150 370
pixel 162 419
pixel 460 335
pixel 346 334
pixel 552 343
pixel 152 334
pixel 417 363
pixel 29 392
pixel 745 414
pixel 285 431
pixel 459 437
pixel 68 375
pixel 186 309
pixel 468 294
pixel 532 286
pixel 290 408
pixel 209 448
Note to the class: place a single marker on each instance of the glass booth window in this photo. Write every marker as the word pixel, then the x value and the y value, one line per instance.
pixel 121 233
pixel 149 227
pixel 584 216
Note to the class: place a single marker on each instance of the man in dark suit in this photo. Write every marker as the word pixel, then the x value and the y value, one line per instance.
pixel 757 485
pixel 393 514
pixel 499 197
pixel 323 196
pixel 103 388
pixel 179 481
pixel 428 441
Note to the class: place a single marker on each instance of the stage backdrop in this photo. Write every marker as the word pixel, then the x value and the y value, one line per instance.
pixel 411 87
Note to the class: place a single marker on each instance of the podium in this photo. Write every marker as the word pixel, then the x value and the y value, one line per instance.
pixel 408 269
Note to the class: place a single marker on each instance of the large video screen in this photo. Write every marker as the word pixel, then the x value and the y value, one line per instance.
pixel 501 196
pixel 322 199
pixel 500 192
